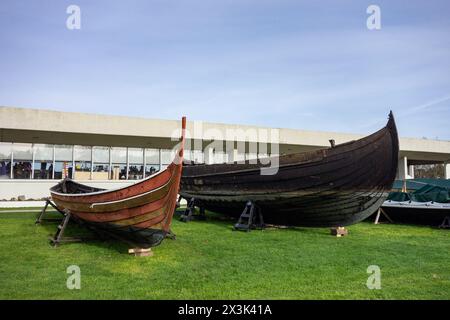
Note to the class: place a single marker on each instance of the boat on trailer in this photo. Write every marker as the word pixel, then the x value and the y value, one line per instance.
pixel 140 214
pixel 331 187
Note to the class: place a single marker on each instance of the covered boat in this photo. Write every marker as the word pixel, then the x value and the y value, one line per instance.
pixel 140 213
pixel 428 205
pixel 331 187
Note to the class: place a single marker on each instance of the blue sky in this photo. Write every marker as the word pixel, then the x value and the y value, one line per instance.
pixel 295 64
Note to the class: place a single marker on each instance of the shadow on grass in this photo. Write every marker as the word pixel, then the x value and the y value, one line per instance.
pixel 227 222
pixel 75 230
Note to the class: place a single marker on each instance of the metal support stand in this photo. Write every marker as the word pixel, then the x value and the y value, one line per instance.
pixel 171 235
pixel 59 235
pixel 41 218
pixel 189 213
pixel 381 211
pixel 250 219
pixel 446 223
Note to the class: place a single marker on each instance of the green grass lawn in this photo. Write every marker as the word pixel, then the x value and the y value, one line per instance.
pixel 210 261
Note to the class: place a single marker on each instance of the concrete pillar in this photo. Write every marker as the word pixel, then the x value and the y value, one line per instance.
pixel 447 170
pixel 411 172
pixel 209 156
pixel 402 171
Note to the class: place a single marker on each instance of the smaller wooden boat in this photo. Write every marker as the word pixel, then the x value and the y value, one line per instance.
pixel 140 213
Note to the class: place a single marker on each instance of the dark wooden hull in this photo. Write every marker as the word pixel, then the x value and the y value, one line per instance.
pixel 330 187
pixel 141 213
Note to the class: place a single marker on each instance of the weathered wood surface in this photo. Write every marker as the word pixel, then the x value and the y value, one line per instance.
pixel 336 186
pixel 141 212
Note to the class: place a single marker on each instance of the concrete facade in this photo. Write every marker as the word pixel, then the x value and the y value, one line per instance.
pixel 23 125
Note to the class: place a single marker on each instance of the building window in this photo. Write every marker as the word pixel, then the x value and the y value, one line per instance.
pixel 197 156
pixel 187 155
pixel 83 162
pixel 151 161
pixel 135 163
pixel 251 157
pixel 220 157
pixel 43 161
pixel 5 160
pixel 63 162
pixel 119 163
pixel 100 160
pixel 167 156
pixel 22 160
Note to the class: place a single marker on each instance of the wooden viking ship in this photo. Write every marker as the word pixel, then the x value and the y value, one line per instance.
pixel 337 186
pixel 140 213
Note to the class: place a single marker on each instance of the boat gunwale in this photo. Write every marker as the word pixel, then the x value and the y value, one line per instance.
pixel 387 128
pixel 106 190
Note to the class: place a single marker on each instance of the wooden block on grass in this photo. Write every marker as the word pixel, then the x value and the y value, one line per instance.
pixel 339 231
pixel 141 252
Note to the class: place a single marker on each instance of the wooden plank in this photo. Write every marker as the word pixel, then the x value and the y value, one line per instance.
pixel 141 252
pixel 339 231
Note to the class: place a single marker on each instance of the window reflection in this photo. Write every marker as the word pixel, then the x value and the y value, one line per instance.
pixel 83 162
pixel 119 163
pixel 5 160
pixel 43 161
pixel 136 163
pixel 151 169
pixel 63 162
pixel 151 161
pixel 100 171
pixel 46 161
pixel 23 157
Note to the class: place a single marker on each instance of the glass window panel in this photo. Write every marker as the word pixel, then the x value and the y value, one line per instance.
pixel 219 157
pixel 21 169
pixel 22 156
pixel 101 155
pixel 119 155
pixel 101 167
pixel 63 169
pixel 5 150
pixel 23 151
pixel 63 153
pixel 136 155
pixel 84 166
pixel 43 152
pixel 188 155
pixel 198 156
pixel 43 169
pixel 135 172
pixel 82 153
pixel 151 169
pixel 5 169
pixel 119 172
pixel 152 156
pixel 167 156
pixel 5 160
